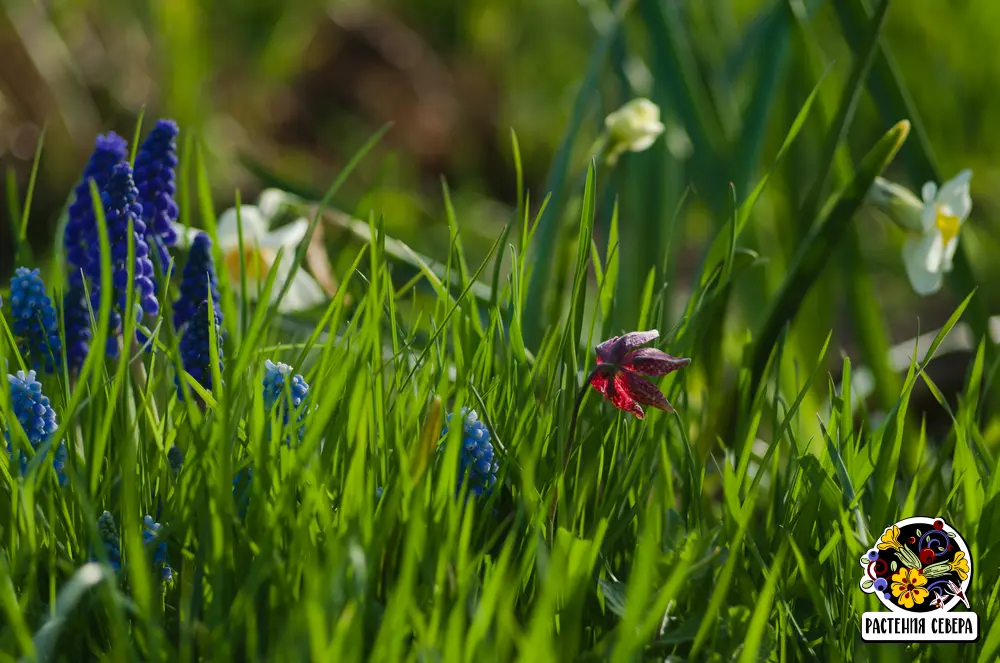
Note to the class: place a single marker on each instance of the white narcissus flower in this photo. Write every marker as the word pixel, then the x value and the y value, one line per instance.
pixel 633 127
pixel 260 250
pixel 928 257
pixel 932 223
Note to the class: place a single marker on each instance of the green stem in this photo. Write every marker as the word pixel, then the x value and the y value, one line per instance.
pixel 576 415
pixel 571 439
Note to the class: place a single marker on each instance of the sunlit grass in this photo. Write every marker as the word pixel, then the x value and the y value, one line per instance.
pixel 729 530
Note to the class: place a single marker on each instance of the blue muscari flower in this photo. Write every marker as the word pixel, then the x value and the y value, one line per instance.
pixel 34 320
pixel 378 492
pixel 150 534
pixel 109 537
pixel 176 458
pixel 34 412
pixel 476 463
pixel 241 489
pixel 199 277
pixel 154 176
pixel 195 349
pixel 81 227
pixel 120 207
pixel 76 318
pixel 293 397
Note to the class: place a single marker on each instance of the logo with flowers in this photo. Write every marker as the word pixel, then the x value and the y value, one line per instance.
pixel 918 565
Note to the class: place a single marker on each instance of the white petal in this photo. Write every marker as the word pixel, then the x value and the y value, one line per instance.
pixel 270 202
pixel 915 251
pixel 934 257
pixel 185 236
pixel 254 227
pixel 955 197
pixel 928 218
pixel 949 255
pixel 642 143
pixel 289 236
pixel 302 295
pixel 929 191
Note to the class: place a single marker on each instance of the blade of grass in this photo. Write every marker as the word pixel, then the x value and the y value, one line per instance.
pixel 893 101
pixel 22 232
pixel 300 254
pixel 555 182
pixel 813 254
pixel 809 209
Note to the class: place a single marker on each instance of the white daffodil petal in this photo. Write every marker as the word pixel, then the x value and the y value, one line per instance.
pixel 928 192
pixel 303 294
pixel 954 196
pixel 915 252
pixel 185 236
pixel 642 144
pixel 289 236
pixel 254 227
pixel 949 255
pixel 928 217
pixel 934 256
pixel 271 201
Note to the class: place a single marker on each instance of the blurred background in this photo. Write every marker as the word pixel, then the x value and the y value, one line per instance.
pixel 284 93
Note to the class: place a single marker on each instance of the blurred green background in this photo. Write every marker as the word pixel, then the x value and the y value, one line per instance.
pixel 285 93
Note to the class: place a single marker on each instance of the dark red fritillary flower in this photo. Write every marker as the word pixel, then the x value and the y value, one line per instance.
pixel 621 361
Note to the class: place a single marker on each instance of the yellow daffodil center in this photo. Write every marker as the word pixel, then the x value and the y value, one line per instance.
pixel 947 224
pixel 256 262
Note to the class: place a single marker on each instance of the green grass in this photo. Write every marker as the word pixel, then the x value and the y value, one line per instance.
pixel 729 530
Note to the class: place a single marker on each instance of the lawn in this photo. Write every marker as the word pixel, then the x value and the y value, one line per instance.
pixel 586 439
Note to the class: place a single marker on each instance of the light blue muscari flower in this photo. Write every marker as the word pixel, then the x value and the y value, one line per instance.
pixel 34 320
pixel 150 538
pixel 34 412
pixel 477 463
pixel 287 391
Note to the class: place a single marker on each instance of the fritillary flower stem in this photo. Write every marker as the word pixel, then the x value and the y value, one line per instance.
pixel 571 438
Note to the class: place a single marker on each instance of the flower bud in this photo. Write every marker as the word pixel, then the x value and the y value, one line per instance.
pixel 898 203
pixel 633 127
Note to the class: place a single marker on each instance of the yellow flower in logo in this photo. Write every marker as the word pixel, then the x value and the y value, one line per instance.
pixel 908 587
pixel 960 565
pixel 890 539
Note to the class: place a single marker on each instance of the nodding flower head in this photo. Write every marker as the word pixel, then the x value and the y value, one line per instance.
pixel 620 363
pixel 155 164
pixel 286 390
pixel 34 412
pixel 34 320
pixel 195 347
pixel 477 464
pixel 198 280
pixel 81 228
pixel 121 209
